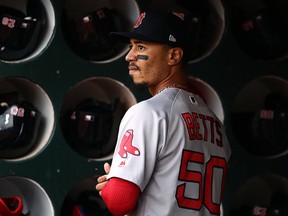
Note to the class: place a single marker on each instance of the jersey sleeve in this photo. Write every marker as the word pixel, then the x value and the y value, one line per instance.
pixel 120 196
pixel 142 133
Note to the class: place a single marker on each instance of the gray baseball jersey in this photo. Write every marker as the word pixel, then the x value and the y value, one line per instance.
pixel 176 150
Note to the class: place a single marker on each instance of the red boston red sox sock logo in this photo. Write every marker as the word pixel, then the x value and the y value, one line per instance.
pixel 126 145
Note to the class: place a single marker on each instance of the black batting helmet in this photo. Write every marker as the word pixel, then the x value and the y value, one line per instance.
pixel 91 127
pixel 19 124
pixel 261 28
pixel 88 35
pixel 20 28
pixel 84 200
pixel 264 131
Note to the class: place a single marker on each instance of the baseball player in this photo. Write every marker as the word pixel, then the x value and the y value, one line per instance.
pixel 172 151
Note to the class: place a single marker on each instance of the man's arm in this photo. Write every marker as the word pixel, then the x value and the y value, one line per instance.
pixel 120 196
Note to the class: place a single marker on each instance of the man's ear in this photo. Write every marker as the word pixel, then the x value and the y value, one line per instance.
pixel 175 55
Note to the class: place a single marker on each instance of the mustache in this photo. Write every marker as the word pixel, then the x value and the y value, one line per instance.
pixel 132 64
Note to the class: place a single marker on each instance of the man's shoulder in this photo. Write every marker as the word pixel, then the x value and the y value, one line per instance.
pixel 150 106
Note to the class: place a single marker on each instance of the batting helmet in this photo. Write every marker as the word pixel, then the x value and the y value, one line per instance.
pixel 20 29
pixel 83 200
pixel 268 196
pixel 11 206
pixel 261 28
pixel 91 127
pixel 278 206
pixel 19 123
pixel 206 28
pixel 89 203
pixel 88 35
pixel 265 130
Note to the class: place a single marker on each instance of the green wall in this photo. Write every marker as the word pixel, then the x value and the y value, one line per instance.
pixel 58 168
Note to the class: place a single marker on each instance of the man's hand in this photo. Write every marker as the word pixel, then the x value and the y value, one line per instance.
pixel 102 180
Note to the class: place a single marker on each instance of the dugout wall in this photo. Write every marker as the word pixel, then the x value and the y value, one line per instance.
pixel 243 77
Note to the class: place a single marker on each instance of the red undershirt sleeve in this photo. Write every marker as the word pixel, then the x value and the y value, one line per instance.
pixel 120 196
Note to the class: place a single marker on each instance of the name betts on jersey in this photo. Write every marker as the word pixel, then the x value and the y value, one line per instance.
pixel 209 125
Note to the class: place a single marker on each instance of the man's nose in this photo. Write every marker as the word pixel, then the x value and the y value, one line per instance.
pixel 131 56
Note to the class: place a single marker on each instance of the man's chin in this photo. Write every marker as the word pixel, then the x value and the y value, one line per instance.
pixel 138 82
pixel 139 86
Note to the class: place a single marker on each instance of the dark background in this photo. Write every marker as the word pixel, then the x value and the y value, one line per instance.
pixel 58 168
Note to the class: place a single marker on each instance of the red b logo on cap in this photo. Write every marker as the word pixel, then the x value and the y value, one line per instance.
pixel 139 20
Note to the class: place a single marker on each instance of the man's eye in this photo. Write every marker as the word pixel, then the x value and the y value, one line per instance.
pixel 141 48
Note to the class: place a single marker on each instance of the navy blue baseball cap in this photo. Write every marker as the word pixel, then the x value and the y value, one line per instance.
pixel 159 27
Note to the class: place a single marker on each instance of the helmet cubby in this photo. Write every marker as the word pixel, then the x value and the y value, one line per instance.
pixel 86 27
pixel 209 95
pixel 30 194
pixel 27 118
pixel 56 78
pixel 27 29
pixel 259 117
pixel 83 199
pixel 91 113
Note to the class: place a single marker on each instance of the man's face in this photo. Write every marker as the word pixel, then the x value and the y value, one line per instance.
pixel 148 62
